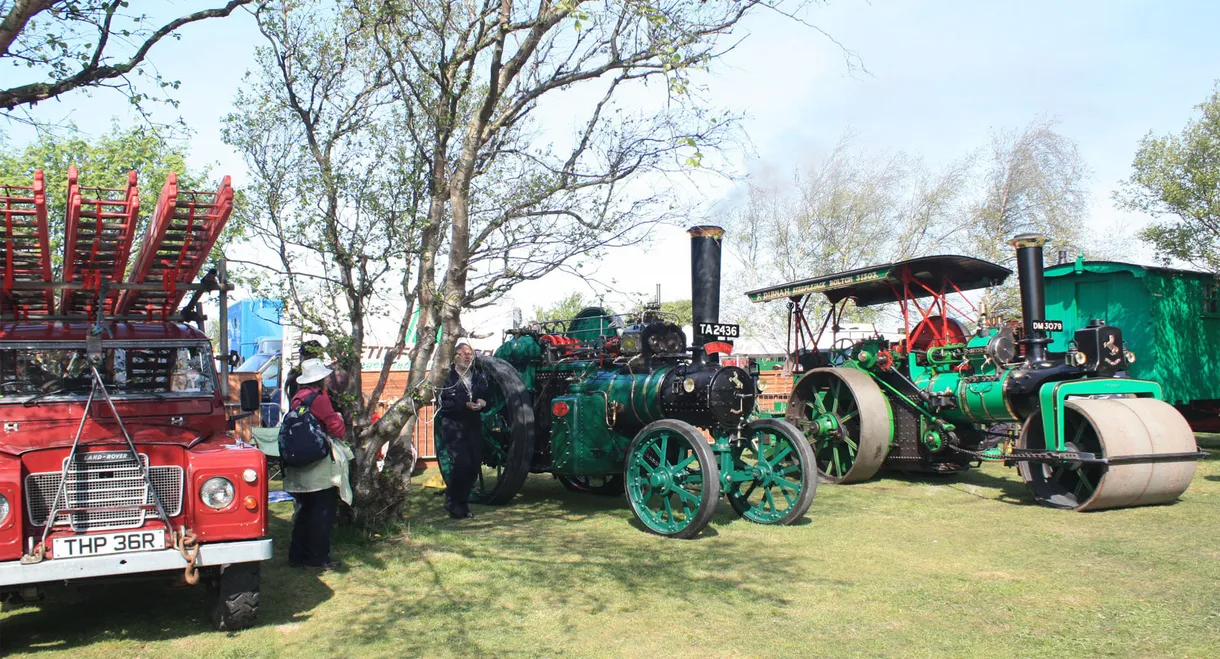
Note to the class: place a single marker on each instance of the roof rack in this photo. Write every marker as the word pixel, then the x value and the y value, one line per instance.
pixel 99 228
pixel 184 227
pixel 27 254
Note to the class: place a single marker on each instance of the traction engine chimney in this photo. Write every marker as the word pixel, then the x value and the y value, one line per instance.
pixel 1033 298
pixel 704 280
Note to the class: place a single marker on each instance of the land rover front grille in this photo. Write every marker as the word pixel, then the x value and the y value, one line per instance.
pixel 103 480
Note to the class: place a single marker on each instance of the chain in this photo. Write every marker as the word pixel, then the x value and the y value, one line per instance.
pixel 186 544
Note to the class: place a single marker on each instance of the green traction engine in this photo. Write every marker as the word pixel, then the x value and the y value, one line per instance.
pixel 610 403
pixel 940 398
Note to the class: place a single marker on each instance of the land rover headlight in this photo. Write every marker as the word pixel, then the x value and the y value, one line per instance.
pixel 217 492
pixel 4 509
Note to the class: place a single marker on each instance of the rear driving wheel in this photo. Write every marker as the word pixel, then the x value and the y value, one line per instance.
pixel 508 436
pixel 846 418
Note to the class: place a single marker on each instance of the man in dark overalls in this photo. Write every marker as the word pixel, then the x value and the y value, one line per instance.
pixel 463 397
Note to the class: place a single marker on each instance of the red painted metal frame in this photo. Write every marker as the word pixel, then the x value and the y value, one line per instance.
pixel 800 332
pixel 184 227
pixel 108 222
pixel 937 307
pixel 27 252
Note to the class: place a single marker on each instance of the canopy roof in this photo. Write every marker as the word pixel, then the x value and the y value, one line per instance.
pixel 884 283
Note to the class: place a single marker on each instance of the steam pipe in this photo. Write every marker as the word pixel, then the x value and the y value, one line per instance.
pixel 1033 299
pixel 704 280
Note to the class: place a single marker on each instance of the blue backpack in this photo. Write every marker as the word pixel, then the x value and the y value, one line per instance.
pixel 303 440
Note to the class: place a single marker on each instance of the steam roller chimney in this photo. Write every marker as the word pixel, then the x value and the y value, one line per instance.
pixel 1033 297
pixel 704 281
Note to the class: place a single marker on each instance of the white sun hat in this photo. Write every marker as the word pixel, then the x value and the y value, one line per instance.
pixel 313 370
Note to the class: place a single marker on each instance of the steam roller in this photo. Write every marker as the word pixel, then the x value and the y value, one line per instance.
pixel 939 398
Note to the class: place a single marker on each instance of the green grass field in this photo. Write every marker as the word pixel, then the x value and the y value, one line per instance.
pixel 895 567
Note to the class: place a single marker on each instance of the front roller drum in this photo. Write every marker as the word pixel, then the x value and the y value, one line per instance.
pixel 508 436
pixel 846 418
pixel 673 483
pixel 782 475
pixel 1111 428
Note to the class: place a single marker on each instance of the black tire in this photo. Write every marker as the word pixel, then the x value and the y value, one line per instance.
pixel 236 605
pixel 738 493
pixel 507 451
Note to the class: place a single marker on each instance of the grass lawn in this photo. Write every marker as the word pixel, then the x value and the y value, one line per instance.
pixel 895 567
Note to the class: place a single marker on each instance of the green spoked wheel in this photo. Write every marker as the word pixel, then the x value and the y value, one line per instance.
pixel 606 485
pixel 508 436
pixel 673 483
pixel 846 418
pixel 783 476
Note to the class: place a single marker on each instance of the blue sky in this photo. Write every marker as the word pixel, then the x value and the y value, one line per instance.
pixel 941 76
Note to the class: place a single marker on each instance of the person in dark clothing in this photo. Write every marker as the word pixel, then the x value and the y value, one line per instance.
pixel 463 397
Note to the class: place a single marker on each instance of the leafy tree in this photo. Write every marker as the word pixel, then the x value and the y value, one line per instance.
pixel 564 308
pixel 568 307
pixel 103 162
pixel 681 310
pixel 399 139
pixel 854 210
pixel 1177 178
pixel 52 47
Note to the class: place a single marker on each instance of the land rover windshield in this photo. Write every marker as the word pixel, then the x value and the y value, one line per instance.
pixel 128 370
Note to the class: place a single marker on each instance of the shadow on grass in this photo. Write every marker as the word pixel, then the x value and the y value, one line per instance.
pixel 580 552
pixel 154 610
pixel 1008 489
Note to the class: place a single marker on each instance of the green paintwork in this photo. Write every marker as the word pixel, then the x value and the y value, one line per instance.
pixel 590 324
pixel 636 397
pixel 520 351
pixel 582 443
pixel 984 402
pixel 1161 311
pixel 1053 394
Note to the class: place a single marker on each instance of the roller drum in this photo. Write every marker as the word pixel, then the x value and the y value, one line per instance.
pixel 1112 428
pixel 1138 426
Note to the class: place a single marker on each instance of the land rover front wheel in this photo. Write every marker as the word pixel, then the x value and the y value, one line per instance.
pixel 236 605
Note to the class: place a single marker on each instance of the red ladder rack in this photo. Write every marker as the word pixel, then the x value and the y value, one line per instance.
pixel 27 254
pixel 184 227
pixel 98 230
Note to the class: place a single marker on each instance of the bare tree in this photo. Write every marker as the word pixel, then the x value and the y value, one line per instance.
pixel 62 45
pixel 851 210
pixel 405 138
pixel 1034 181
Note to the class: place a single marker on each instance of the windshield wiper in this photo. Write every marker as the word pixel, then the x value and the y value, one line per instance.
pixel 30 402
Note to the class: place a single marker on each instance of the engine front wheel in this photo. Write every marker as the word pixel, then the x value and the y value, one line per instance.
pixel 673 483
pixel 783 476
